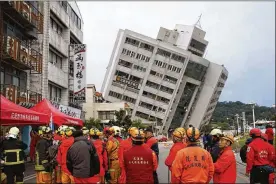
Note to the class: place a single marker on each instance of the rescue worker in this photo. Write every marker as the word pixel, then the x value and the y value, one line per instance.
pixel 178 136
pixel 270 134
pixel 214 147
pixel 42 166
pixel 59 135
pixel 14 156
pixel 243 150
pixel 85 132
pixel 117 134
pixel 273 161
pixel 257 158
pixel 192 164
pixel 112 148
pixel 225 166
pixel 139 162
pixel 152 143
pixel 3 179
pixel 34 138
pixel 101 151
pixel 66 143
pixel 125 145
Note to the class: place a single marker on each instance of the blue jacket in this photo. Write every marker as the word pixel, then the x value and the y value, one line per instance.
pixel 214 151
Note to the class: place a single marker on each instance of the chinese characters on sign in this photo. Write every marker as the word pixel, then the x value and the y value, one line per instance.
pixel 79 72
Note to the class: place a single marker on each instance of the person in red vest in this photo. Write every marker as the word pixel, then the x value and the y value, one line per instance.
pixel 34 139
pixel 95 134
pixel 139 162
pixel 225 166
pixel 178 136
pixel 270 134
pixel 273 161
pixel 66 143
pixel 258 157
pixel 125 145
pixel 152 143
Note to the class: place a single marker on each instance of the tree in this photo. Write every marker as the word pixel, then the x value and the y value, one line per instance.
pixel 92 122
pixel 138 123
pixel 122 119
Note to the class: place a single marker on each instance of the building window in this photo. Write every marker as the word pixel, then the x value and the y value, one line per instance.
pixel 54 93
pixel 74 17
pixel 106 115
pixel 163 53
pixel 162 99
pixel 139 68
pixel 147 47
pixel 141 115
pixel 55 59
pixel 160 64
pixel 170 79
pixel 55 26
pixel 152 85
pixel 132 41
pixel 154 73
pixel 115 95
pixel 142 57
pixel 174 68
pixel 2 77
pixel 149 95
pixel 64 5
pixel 166 89
pixel 129 99
pixel 178 58
pixel 145 105
pixel 125 63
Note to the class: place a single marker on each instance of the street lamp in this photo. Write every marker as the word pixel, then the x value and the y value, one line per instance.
pixel 253 112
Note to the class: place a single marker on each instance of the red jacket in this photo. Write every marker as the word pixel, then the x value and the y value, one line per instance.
pixel 139 162
pixel 258 154
pixel 124 145
pixel 62 153
pixel 225 167
pixel 118 138
pixel 270 134
pixel 102 156
pixel 175 148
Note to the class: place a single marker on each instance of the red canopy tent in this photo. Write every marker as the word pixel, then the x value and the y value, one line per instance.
pixel 12 114
pixel 58 117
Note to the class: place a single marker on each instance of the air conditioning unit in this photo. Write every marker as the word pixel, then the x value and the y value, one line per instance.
pixel 26 11
pixel 24 54
pixel 12 47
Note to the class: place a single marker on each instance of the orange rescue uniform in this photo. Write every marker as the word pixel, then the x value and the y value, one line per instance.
pixel 192 165
pixel 66 176
pixel 112 147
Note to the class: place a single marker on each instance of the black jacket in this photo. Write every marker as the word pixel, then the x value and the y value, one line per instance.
pixel 43 160
pixel 79 157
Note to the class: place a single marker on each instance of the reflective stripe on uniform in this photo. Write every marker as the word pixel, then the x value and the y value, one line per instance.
pixel 44 161
pixel 17 151
pixel 38 167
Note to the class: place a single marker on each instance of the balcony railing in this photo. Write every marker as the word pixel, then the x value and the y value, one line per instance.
pixel 26 14
pixel 20 96
pixel 21 54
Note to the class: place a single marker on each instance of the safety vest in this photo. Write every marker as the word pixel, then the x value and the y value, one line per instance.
pixel 14 156
pixel 138 163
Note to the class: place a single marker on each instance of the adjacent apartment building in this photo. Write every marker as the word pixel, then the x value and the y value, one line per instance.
pixel 96 107
pixel 166 80
pixel 35 58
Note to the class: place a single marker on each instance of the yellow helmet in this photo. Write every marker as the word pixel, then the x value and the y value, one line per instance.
pixel 193 134
pixel 44 130
pixel 69 131
pixel 228 137
pixel 94 131
pixel 136 135
pixel 179 133
pixel 131 130
pixel 85 130
pixel 61 129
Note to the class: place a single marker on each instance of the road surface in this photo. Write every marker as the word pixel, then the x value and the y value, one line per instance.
pixel 162 171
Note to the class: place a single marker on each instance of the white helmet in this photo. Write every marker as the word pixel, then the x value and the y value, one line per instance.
pixel 62 128
pixel 117 130
pixel 14 131
pixel 216 132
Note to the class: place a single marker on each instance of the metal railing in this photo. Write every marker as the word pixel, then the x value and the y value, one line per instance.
pixel 21 52
pixel 19 95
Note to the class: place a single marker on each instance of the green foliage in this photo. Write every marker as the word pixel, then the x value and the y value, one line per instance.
pixel 226 111
pixel 122 120
pixel 138 123
pixel 92 122
pixel 222 126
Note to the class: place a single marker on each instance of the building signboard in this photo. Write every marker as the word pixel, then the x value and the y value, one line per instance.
pixel 127 82
pixel 70 111
pixel 79 72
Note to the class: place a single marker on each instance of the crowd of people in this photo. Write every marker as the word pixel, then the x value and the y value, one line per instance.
pixel 71 155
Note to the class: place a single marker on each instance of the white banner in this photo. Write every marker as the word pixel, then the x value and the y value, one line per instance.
pixel 79 72
pixel 70 111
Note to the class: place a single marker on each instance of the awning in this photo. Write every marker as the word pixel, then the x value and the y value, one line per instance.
pixel 12 114
pixel 59 118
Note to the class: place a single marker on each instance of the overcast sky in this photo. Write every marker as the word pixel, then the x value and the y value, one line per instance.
pixel 241 36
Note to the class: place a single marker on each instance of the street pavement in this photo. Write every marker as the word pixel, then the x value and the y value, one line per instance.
pixel 162 171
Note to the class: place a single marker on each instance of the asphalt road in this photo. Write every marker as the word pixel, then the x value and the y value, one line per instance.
pixel 162 171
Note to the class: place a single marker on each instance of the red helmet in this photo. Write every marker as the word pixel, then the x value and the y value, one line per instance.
pixel 255 131
pixel 264 136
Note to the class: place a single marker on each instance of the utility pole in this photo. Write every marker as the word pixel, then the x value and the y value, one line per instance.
pixel 244 123
pixel 253 112
pixel 237 116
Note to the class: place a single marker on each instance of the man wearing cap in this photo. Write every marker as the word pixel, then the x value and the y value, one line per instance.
pixel 152 143
pixel 14 155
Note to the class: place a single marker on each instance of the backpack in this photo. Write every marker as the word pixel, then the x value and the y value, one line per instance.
pixel 94 160
pixel 243 151
pixel 52 153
